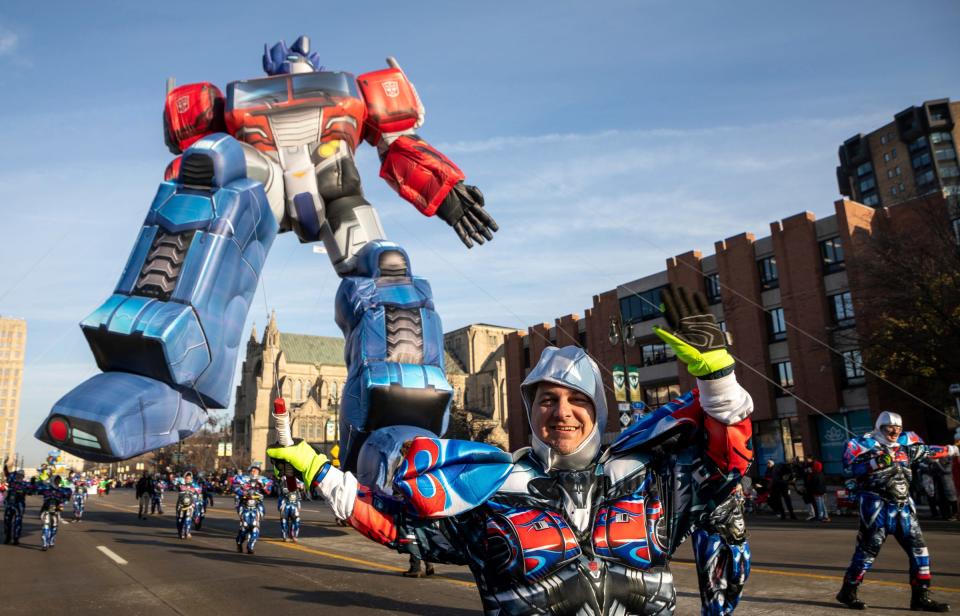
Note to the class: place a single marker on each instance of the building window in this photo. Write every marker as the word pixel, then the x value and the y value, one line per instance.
pixel 864 169
pixel 776 325
pixel 871 200
pixel 783 375
pixel 947 154
pixel 956 229
pixel 853 368
pixel 831 252
pixel 949 170
pixel 920 143
pixel 867 183
pixel 769 277
pixel 641 306
pixel 941 137
pixel 657 395
pixel 921 160
pixel 896 170
pixel 712 284
pixel 883 140
pixel 893 153
pixel 925 178
pixel 886 157
pixel 658 353
pixel 841 307
pixel 297 391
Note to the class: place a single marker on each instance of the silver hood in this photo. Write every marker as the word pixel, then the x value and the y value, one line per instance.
pixel 573 368
pixel 886 418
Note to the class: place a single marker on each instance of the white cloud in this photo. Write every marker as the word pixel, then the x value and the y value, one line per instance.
pixel 9 40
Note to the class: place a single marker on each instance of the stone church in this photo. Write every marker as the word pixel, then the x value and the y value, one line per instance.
pixel 310 372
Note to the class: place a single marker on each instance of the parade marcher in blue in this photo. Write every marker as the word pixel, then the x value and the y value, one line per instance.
pixel 14 505
pixel 54 493
pixel 249 490
pixel 879 465
pixel 288 504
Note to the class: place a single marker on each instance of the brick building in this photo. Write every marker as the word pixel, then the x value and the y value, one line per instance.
pixel 785 299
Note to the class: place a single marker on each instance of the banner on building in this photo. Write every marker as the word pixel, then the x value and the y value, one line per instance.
pixel 633 384
pixel 619 383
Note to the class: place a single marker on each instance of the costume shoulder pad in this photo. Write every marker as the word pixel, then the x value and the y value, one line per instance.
pixel 439 478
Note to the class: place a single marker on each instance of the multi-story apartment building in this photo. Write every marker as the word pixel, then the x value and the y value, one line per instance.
pixel 791 307
pixel 912 156
pixel 13 342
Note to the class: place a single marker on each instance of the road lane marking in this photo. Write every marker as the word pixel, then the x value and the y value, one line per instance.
pixel 359 561
pixel 817 576
pixel 675 563
pixel 111 555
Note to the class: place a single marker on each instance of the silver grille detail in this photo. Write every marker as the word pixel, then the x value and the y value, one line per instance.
pixel 295 128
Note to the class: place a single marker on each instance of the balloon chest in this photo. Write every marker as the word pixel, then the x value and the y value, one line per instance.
pixel 321 110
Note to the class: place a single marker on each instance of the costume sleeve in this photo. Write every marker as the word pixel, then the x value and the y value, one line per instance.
pixel 386 521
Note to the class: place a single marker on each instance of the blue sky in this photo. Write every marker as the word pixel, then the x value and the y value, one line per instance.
pixel 606 136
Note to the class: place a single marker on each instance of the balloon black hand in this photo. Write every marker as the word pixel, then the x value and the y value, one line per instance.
pixel 691 320
pixel 463 210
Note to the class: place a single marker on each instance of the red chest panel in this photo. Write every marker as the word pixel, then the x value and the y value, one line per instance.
pixel 626 530
pixel 295 110
pixel 539 541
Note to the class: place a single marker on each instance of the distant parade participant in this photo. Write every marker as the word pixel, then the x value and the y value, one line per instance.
pixel 207 488
pixel 79 500
pixel 879 463
pixel 249 490
pixel 188 499
pixel 288 504
pixel 156 497
pixel 54 493
pixel 144 494
pixel 14 505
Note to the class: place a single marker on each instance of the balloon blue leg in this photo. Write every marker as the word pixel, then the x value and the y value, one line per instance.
pixel 167 340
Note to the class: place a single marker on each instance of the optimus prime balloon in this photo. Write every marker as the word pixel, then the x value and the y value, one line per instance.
pixel 274 154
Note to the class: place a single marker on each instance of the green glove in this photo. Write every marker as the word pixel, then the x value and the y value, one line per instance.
pixel 302 457
pixel 697 339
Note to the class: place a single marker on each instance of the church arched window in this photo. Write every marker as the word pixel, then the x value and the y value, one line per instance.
pixel 298 391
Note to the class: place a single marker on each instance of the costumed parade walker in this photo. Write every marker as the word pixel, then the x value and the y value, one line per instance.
pixel 879 465
pixel 567 526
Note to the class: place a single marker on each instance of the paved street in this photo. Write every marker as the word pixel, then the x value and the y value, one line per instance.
pixel 796 569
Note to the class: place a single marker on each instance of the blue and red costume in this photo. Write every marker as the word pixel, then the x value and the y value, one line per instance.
pixel 249 491
pixel 54 496
pixel 563 534
pixel 14 505
pixel 881 474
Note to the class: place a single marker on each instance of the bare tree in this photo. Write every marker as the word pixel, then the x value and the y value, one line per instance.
pixel 909 306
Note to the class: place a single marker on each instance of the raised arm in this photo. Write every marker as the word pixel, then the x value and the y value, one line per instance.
pixel 435 478
pixel 419 173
